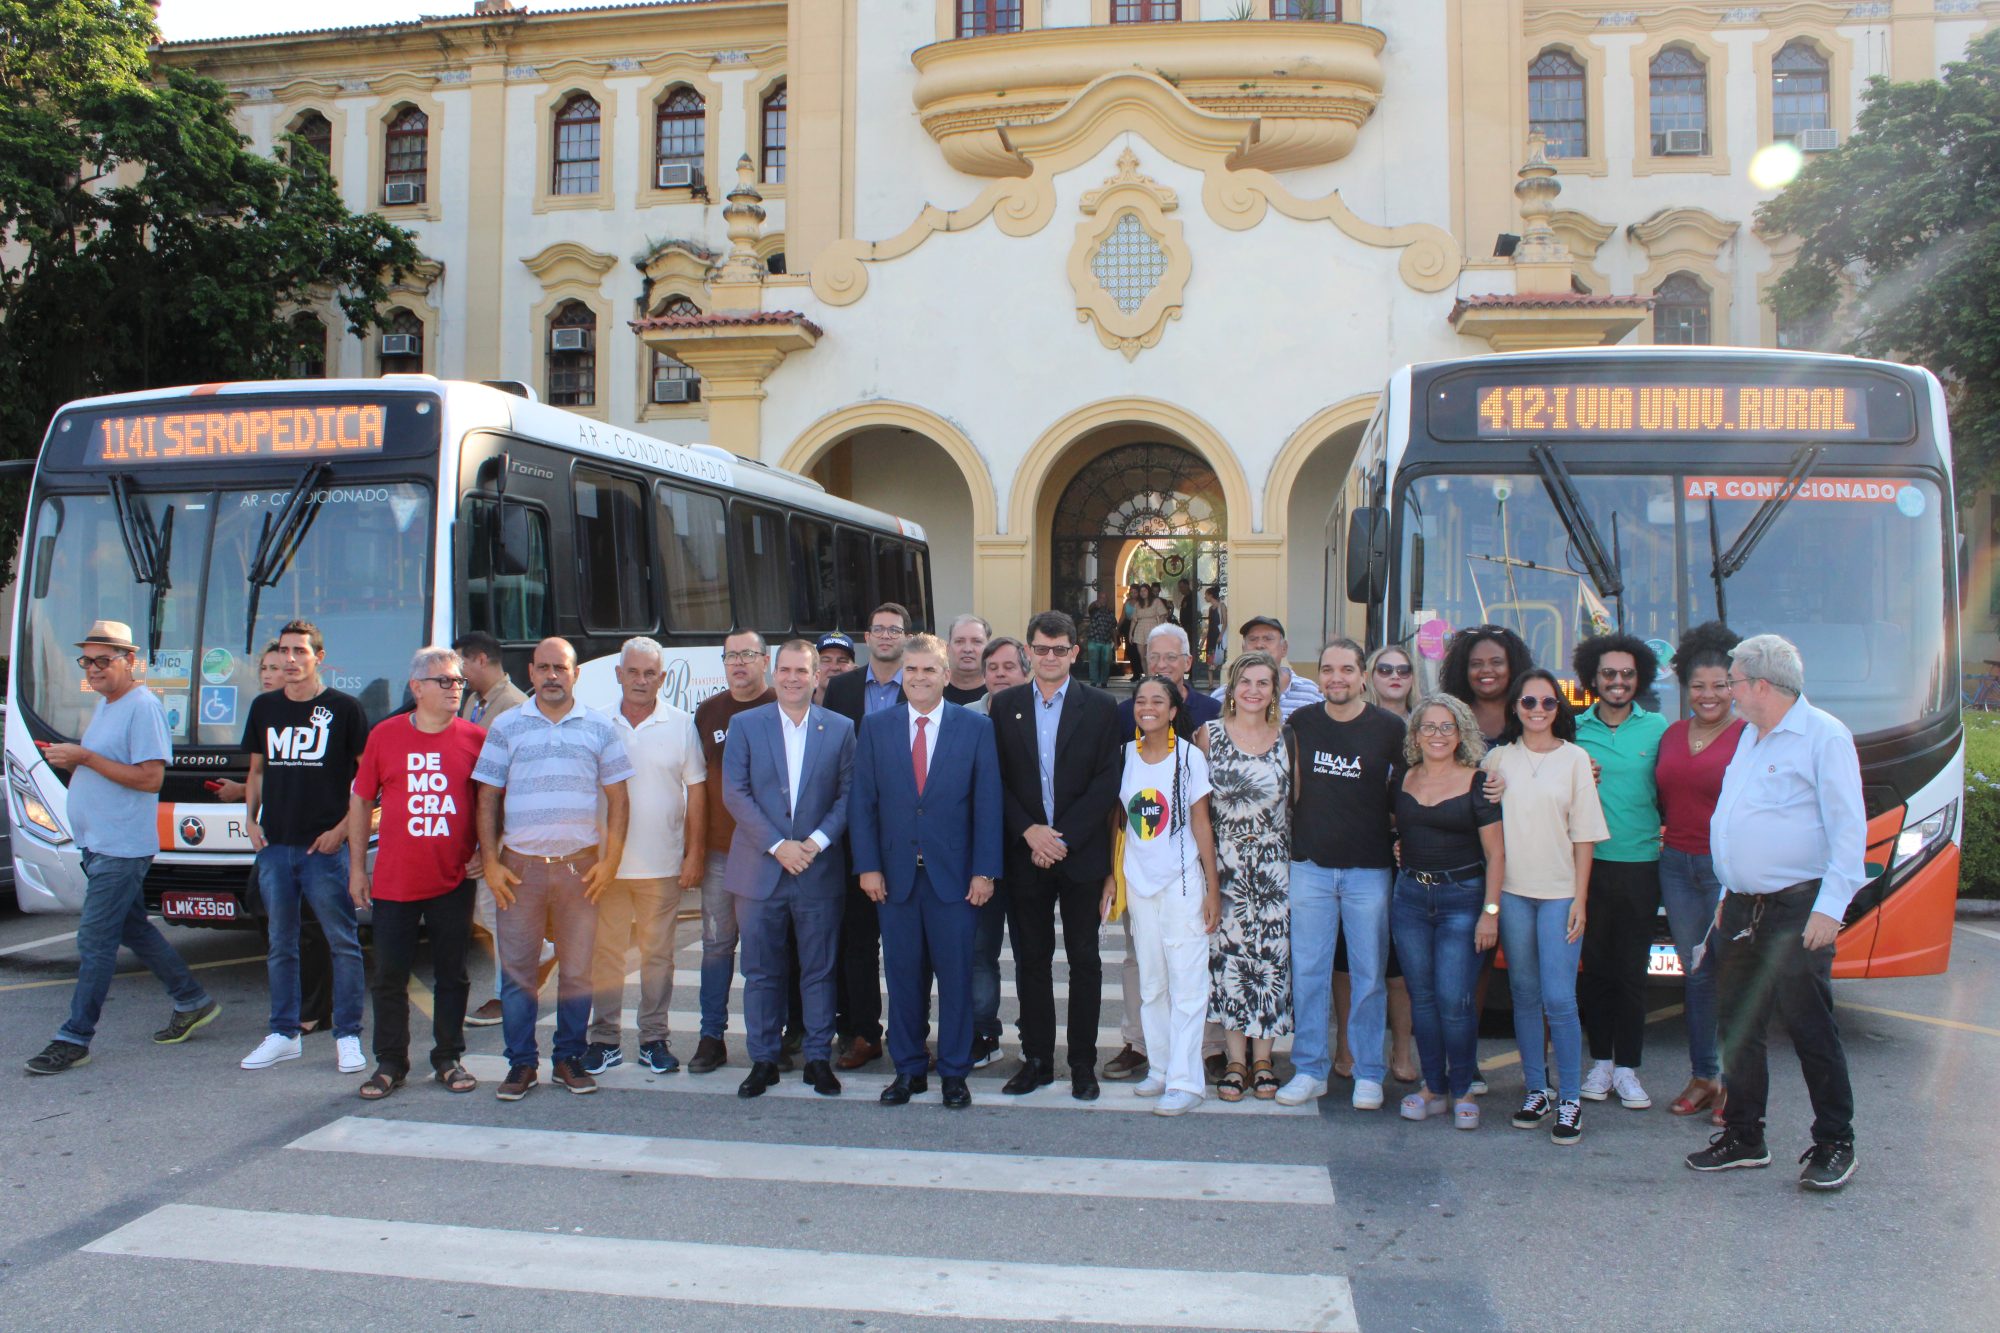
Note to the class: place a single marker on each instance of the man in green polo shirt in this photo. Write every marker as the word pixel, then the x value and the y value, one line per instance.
pixel 1623 741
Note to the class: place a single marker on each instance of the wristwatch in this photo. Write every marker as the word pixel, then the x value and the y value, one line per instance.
pixel 1491 909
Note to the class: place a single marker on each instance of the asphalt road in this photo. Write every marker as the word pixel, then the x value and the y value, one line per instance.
pixel 163 1187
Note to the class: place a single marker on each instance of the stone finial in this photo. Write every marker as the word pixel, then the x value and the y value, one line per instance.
pixel 1537 189
pixel 744 215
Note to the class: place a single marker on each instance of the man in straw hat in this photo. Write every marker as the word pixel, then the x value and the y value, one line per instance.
pixel 114 798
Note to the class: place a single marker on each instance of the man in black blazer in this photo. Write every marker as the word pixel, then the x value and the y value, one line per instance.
pixel 854 695
pixel 1060 764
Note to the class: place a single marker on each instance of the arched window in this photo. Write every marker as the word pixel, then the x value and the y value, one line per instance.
pixel 673 380
pixel 1145 11
pixel 406 157
pixel 680 140
pixel 1679 94
pixel 308 348
pixel 573 355
pixel 401 344
pixel 1680 311
pixel 1556 103
pixel 774 136
pixel 1798 91
pixel 577 138
pixel 317 132
pixel 977 18
pixel 1324 11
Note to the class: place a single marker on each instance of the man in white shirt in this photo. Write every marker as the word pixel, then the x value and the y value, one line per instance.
pixel 663 854
pixel 1789 839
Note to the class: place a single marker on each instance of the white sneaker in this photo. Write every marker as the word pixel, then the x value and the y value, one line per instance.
pixel 1302 1089
pixel 1597 1083
pixel 1478 1088
pixel 1177 1103
pixel 348 1051
pixel 274 1048
pixel 1367 1095
pixel 1631 1095
pixel 1151 1086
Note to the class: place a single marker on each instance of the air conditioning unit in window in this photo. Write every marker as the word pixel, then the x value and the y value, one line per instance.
pixel 675 175
pixel 399 192
pixel 569 340
pixel 400 344
pixel 670 391
pixel 1818 141
pixel 1684 143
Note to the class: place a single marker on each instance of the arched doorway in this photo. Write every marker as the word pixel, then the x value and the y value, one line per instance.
pixel 1145 512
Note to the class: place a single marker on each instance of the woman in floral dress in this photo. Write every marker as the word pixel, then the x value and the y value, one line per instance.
pixel 1250 961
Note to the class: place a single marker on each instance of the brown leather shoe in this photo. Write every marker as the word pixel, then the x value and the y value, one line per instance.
pixel 569 1074
pixel 520 1082
pixel 1128 1063
pixel 485 1016
pixel 709 1055
pixel 859 1052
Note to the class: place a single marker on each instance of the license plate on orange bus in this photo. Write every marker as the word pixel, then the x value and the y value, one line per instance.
pixel 1664 961
pixel 186 906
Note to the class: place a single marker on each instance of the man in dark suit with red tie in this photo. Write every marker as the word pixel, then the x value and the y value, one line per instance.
pixel 925 827
pixel 1059 753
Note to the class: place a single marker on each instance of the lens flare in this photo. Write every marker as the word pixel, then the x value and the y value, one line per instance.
pixel 1776 166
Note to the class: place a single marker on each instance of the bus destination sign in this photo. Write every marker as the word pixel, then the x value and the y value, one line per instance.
pixel 303 431
pixel 1653 411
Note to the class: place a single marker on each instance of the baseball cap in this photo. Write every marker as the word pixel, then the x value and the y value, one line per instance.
pixel 1254 621
pixel 835 640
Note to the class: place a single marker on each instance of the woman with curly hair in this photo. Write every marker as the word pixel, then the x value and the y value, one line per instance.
pixel 1481 665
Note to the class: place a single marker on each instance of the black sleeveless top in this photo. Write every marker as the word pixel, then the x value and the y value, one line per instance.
pixel 1445 836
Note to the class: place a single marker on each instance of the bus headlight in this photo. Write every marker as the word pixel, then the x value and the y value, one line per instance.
pixel 1918 841
pixel 33 813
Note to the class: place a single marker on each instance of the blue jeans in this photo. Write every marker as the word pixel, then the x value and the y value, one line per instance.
pixel 1433 925
pixel 718 947
pixel 288 876
pixel 1690 890
pixel 549 904
pixel 988 928
pixel 1326 902
pixel 1541 973
pixel 114 913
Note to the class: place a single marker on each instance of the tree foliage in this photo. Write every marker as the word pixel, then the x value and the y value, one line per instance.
pixel 142 243
pixel 1901 241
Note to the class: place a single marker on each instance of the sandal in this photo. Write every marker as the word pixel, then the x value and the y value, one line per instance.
pixel 1230 1086
pixel 456 1078
pixel 1696 1096
pixel 1721 1096
pixel 380 1085
pixel 1263 1080
pixel 1465 1115
pixel 1422 1105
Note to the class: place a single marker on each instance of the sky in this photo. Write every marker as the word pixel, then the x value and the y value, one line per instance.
pixel 187 20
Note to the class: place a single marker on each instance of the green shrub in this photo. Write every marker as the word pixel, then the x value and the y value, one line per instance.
pixel 1980 874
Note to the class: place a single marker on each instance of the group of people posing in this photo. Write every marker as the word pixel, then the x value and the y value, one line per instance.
pixel 847 821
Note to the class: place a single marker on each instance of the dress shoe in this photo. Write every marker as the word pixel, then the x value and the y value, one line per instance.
pixel 956 1096
pixel 763 1074
pixel 819 1077
pixel 905 1087
pixel 1032 1074
pixel 1083 1083
pixel 859 1052
pixel 1128 1063
pixel 485 1016
pixel 709 1055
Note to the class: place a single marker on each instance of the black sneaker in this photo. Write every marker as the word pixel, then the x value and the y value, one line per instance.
pixel 656 1057
pixel 1827 1166
pixel 1535 1108
pixel 1568 1127
pixel 1730 1149
pixel 59 1057
pixel 600 1056
pixel 985 1051
pixel 182 1025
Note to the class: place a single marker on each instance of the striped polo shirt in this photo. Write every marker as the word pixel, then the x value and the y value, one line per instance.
pixel 553 774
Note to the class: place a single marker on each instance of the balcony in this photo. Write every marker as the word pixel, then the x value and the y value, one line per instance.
pixel 1300 90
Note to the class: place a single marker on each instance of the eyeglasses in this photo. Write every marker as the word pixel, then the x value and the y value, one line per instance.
pixel 744 655
pixel 888 631
pixel 1437 728
pixel 1389 669
pixel 1617 673
pixel 98 663
pixel 1531 702
pixel 1051 649
pixel 1733 681
pixel 445 682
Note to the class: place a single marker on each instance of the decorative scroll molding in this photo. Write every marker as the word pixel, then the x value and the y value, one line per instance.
pixel 566 262
pixel 1131 194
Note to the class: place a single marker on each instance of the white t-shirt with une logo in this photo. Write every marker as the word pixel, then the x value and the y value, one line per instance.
pixel 1160 851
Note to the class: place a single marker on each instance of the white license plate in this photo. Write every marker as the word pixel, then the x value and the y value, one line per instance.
pixel 1664 961
pixel 198 907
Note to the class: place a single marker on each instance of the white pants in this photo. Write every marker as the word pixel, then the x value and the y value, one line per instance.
pixel 1172 949
pixel 1129 1031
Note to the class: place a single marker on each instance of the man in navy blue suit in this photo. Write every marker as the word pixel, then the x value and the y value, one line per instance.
pixel 786 768
pixel 926 827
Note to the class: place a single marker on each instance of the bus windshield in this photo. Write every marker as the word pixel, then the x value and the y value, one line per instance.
pixel 358 572
pixel 1851 570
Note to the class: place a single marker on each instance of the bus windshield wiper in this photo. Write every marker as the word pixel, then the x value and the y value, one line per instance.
pixel 278 540
pixel 1738 554
pixel 1603 571
pixel 148 549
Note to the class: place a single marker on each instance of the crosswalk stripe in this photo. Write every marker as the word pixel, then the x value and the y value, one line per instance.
pixel 866 1085
pixel 998 1173
pixel 739 1275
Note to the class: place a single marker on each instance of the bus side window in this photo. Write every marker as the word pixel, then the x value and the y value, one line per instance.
pixel 759 569
pixel 613 568
pixel 512 602
pixel 694 547
pixel 852 567
pixel 813 599
pixel 916 597
pixel 889 572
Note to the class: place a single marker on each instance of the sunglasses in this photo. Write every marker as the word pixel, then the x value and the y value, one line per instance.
pixel 1531 702
pixel 1388 669
pixel 98 663
pixel 1617 673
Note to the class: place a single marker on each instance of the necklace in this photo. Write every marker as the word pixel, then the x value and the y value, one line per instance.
pixel 1535 769
pixel 1696 744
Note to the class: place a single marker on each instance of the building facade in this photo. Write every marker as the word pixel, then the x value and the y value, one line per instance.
pixel 1095 290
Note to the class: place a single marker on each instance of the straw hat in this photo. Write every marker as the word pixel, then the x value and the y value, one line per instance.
pixel 109 634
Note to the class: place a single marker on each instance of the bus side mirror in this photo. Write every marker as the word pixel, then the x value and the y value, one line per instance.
pixel 1367 562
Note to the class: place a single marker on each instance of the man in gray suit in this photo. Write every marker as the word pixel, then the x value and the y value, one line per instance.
pixel 786 768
